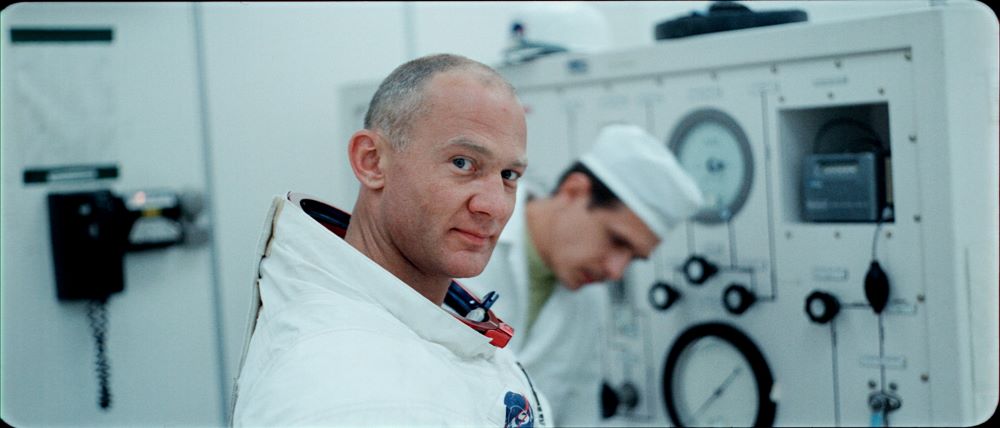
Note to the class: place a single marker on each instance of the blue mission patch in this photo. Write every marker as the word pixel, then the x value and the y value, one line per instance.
pixel 518 411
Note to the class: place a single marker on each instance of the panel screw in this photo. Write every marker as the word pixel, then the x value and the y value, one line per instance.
pixel 924 377
pixel 829 95
pixel 871 384
pixel 788 234
pixel 714 75
pixel 781 99
pixel 881 91
pixel 837 63
pixel 913 138
pixel 893 386
pixel 921 298
pixel 836 234
pixel 774 69
pixel 908 56
pixel 916 218
pixel 888 234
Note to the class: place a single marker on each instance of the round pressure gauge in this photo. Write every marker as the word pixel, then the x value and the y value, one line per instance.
pixel 716 376
pixel 712 147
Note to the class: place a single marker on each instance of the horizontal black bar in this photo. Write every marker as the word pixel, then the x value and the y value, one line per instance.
pixel 60 35
pixel 70 173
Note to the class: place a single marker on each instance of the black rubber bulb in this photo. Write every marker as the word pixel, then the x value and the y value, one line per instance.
pixel 877 287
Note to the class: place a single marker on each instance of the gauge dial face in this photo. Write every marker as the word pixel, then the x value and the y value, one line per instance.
pixel 716 376
pixel 714 150
pixel 715 385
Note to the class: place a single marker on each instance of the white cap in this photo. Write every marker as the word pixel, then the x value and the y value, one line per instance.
pixel 644 175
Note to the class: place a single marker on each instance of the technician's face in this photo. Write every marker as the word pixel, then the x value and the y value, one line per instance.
pixel 451 190
pixel 597 244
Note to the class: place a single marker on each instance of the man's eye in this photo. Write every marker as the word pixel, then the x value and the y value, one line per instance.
pixel 511 175
pixel 462 164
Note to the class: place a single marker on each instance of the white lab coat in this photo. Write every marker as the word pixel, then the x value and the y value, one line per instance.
pixel 563 350
pixel 338 340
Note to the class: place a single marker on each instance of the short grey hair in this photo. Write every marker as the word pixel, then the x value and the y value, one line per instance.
pixel 399 98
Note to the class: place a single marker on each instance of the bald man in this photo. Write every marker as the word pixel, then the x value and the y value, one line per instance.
pixel 358 320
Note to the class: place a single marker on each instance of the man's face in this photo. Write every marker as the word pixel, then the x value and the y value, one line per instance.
pixel 594 244
pixel 450 191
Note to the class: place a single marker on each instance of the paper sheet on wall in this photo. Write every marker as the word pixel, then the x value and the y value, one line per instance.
pixel 63 104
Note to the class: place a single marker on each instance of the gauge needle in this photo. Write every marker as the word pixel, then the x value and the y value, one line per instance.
pixel 718 391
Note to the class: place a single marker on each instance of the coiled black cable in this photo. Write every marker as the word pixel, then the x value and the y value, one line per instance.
pixel 98 315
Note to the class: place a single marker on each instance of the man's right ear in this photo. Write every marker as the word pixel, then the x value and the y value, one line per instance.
pixel 575 185
pixel 366 151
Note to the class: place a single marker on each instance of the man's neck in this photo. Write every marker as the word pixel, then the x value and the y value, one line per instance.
pixel 364 237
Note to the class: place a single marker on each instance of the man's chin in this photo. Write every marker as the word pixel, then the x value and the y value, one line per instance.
pixel 572 283
pixel 467 267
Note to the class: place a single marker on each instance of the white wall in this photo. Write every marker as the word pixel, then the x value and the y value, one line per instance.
pixel 272 74
pixel 132 102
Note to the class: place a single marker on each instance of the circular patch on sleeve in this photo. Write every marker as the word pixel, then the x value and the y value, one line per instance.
pixel 519 413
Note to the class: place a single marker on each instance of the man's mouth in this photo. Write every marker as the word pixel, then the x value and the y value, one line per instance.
pixel 474 237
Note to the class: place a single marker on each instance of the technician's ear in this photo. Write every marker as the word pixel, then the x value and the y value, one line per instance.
pixel 366 152
pixel 576 185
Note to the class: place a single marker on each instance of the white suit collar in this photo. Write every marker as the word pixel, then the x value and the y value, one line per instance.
pixel 325 262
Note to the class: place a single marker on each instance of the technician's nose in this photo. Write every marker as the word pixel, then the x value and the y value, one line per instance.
pixel 616 263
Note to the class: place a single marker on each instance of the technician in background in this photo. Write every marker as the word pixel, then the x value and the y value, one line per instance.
pixel 616 204
pixel 351 331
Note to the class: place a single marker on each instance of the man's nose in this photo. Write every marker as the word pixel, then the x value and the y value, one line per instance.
pixel 492 198
pixel 616 263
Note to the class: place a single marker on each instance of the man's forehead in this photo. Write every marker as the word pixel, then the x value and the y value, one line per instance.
pixel 625 222
pixel 470 74
pixel 469 88
pixel 440 83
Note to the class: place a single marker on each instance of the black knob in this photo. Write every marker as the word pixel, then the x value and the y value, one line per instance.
pixel 697 270
pixel 609 401
pixel 611 398
pixel 821 307
pixel 662 295
pixel 737 299
pixel 629 395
